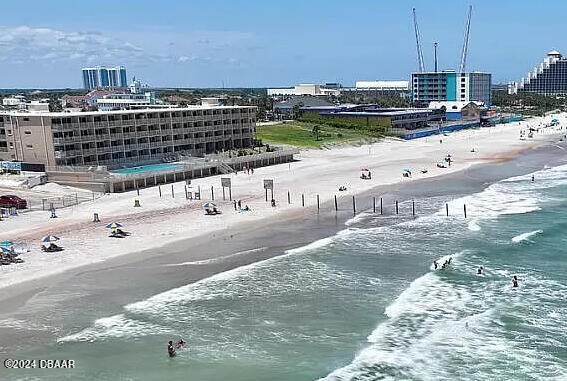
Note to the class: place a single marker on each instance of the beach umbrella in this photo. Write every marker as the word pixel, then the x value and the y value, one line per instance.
pixel 209 205
pixel 364 169
pixel 406 170
pixel 50 238
pixel 114 225
pixel 5 250
pixel 6 243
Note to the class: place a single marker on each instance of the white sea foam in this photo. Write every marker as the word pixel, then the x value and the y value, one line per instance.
pixel 116 326
pixel 474 226
pixel 526 236
pixel 216 260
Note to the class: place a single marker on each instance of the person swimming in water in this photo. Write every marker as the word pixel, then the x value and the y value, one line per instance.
pixel 480 270
pixel 435 264
pixel 170 349
pixel 180 344
pixel 514 281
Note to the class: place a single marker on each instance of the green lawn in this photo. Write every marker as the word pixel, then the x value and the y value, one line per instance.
pixel 300 134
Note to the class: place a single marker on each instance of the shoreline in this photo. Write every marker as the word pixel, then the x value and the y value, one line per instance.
pixel 78 232
pixel 96 284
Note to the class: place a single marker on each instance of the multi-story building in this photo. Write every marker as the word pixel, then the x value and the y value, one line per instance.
pixel 125 101
pixel 128 137
pixel 102 76
pixel 548 78
pixel 449 85
pixel 305 89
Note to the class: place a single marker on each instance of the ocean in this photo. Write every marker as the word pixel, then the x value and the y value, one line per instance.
pixel 363 304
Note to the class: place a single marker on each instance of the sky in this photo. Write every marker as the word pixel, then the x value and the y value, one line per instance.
pixel 263 43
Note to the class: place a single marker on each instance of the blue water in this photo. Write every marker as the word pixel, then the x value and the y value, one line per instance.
pixel 147 168
pixel 365 304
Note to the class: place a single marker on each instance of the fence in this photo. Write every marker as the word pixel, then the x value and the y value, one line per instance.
pixel 64 201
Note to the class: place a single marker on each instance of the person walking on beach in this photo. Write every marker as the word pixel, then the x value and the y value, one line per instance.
pixel 234 205
pixel 514 281
pixel 239 204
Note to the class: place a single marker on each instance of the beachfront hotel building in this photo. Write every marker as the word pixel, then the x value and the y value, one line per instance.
pixel 102 76
pixel 449 85
pixel 548 78
pixel 125 137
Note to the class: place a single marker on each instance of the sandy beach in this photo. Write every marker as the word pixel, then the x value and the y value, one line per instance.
pixel 168 219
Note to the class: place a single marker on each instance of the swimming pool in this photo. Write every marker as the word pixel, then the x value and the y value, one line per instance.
pixel 148 168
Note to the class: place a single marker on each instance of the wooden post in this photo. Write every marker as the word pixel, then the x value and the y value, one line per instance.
pixel 396 206
pixel 318 206
pixel 172 192
pixel 212 193
pixel 288 198
pixel 159 189
pixel 266 194
pixel 336 204
pixel 223 197
pixel 373 204
pixel 230 193
pixel 302 200
pixel 447 209
pixel 353 205
pixel 465 209
pixel 137 192
pixel 186 195
pixel 413 207
pixel 381 210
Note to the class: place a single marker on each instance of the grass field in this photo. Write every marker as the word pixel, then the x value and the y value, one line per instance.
pixel 301 134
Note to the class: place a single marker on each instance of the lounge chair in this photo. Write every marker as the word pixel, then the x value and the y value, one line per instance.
pixel 116 235
pixel 122 232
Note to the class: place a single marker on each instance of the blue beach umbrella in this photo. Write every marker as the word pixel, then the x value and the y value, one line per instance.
pixel 50 238
pixel 5 250
pixel 6 243
pixel 114 225
pixel 209 205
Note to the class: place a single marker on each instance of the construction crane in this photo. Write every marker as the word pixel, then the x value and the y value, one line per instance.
pixel 465 43
pixel 435 54
pixel 418 42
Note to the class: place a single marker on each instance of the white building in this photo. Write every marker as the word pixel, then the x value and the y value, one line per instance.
pixel 14 101
pixel 125 101
pixel 399 86
pixel 305 89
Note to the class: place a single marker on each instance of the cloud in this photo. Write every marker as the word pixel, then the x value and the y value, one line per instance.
pixel 25 44
pixel 28 43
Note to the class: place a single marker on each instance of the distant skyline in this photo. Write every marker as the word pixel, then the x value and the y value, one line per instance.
pixel 44 44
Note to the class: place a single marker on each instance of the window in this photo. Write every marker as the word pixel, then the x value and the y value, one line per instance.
pixel 29 146
pixel 27 132
pixel 26 119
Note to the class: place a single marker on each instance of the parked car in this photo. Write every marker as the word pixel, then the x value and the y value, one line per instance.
pixel 10 201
